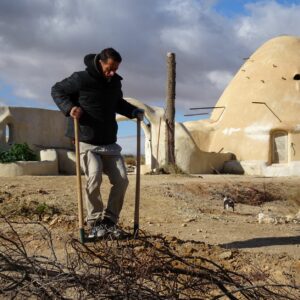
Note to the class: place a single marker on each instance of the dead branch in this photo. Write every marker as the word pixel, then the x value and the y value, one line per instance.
pixel 143 268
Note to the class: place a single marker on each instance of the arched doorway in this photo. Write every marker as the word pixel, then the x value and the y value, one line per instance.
pixel 279 144
pixel 6 134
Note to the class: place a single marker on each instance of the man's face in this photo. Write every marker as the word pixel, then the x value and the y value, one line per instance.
pixel 109 67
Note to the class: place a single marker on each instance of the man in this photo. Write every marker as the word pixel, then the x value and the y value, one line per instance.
pixel 94 96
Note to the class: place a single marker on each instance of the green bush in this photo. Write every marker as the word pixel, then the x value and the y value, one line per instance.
pixel 17 152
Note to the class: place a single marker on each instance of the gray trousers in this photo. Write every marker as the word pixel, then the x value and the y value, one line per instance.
pixel 93 165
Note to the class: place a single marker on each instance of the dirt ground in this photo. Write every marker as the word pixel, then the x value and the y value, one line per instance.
pixel 263 233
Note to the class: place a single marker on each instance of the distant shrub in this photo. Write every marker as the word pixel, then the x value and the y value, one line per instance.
pixel 17 152
pixel 168 169
pixel 130 159
pixel 34 208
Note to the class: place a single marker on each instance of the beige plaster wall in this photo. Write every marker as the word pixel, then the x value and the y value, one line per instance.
pixel 37 127
pixel 40 129
pixel 191 143
pixel 191 158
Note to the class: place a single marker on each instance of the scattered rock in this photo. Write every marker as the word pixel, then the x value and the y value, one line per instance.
pixel 171 238
pixel 289 218
pixel 272 219
pixel 46 218
pixel 69 218
pixel 158 245
pixel 54 221
pixel 266 268
pixel 266 219
pixel 97 260
pixel 183 225
pixel 43 192
pixel 188 249
pixel 139 248
pixel 278 273
pixel 226 255
pixel 189 220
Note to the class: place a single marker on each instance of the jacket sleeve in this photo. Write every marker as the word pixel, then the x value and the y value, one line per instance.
pixel 123 107
pixel 65 93
pixel 126 109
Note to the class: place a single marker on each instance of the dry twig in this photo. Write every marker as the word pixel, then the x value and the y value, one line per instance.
pixel 143 268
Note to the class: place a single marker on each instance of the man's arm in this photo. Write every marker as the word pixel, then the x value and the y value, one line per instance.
pixel 126 109
pixel 65 95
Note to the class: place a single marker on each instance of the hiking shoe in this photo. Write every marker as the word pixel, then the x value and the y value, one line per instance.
pixel 98 231
pixel 106 228
pixel 115 232
pixel 103 231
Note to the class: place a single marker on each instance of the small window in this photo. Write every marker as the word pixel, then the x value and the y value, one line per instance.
pixel 297 77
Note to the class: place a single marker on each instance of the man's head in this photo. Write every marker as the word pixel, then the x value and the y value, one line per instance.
pixel 110 60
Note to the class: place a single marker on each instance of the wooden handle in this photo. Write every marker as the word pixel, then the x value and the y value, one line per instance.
pixel 137 185
pixel 78 175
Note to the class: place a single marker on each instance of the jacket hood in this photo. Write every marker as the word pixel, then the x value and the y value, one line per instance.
pixel 93 67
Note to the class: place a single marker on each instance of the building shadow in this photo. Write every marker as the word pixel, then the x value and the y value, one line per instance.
pixel 263 242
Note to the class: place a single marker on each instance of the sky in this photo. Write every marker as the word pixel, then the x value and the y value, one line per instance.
pixel 44 41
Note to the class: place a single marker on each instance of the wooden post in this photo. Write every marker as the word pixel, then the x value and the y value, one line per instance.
pixel 170 109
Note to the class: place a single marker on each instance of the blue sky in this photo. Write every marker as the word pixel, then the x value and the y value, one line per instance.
pixel 42 42
pixel 235 8
pixel 232 8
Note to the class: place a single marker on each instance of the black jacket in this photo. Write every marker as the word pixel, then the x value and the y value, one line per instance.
pixel 99 99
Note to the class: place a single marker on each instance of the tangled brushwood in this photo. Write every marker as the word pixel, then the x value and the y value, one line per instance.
pixel 147 267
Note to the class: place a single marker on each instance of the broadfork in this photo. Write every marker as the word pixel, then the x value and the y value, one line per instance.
pixel 82 236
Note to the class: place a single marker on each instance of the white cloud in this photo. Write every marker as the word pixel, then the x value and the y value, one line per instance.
pixel 219 78
pixel 267 19
pixel 45 41
pixel 24 92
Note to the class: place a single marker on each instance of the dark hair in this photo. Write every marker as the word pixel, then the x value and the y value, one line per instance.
pixel 107 53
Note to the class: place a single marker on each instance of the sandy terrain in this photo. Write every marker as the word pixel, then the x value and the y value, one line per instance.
pixel 187 207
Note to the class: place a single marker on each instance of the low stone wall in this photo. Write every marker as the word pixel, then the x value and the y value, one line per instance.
pixel 66 161
pixel 47 166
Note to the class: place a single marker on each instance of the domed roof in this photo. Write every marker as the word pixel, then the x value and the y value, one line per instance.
pixel 266 88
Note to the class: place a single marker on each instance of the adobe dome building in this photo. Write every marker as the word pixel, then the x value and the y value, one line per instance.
pixel 258 114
